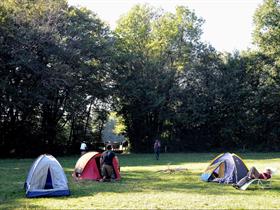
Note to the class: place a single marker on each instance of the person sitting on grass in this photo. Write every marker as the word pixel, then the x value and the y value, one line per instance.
pixel 106 163
pixel 253 174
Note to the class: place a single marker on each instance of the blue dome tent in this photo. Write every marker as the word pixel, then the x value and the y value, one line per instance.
pixel 46 178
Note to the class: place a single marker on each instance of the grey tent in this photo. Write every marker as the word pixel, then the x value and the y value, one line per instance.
pixel 225 168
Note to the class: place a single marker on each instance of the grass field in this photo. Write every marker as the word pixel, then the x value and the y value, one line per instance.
pixel 142 187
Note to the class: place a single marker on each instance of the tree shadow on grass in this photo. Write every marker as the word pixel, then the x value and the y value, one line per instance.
pixel 181 182
pixel 259 156
pixel 133 181
pixel 165 159
pixel 183 158
pixel 20 205
pixel 143 181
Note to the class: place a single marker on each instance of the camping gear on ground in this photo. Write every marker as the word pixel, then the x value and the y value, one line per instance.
pixel 88 167
pixel 172 170
pixel 258 183
pixel 225 168
pixel 46 178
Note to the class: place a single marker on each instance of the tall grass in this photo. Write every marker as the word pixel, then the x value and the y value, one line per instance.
pixel 143 187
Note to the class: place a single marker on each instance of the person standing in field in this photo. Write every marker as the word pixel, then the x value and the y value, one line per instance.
pixel 83 148
pixel 157 146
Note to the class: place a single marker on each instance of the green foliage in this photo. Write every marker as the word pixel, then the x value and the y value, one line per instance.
pixel 171 85
pixel 62 71
pixel 113 129
pixel 53 57
pixel 267 30
pixel 119 126
pixel 151 47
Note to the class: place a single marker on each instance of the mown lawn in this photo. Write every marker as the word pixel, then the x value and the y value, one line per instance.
pixel 142 187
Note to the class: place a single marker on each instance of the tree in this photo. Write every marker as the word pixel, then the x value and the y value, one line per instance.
pixel 267 28
pixel 151 49
pixel 54 72
pixel 113 127
pixel 266 36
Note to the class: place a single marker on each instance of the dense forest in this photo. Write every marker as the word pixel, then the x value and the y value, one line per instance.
pixel 63 71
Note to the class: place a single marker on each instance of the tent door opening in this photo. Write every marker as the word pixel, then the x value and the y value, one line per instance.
pixel 48 184
pixel 219 172
pixel 97 160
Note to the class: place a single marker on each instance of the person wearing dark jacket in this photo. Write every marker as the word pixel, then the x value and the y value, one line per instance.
pixel 157 146
pixel 106 163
